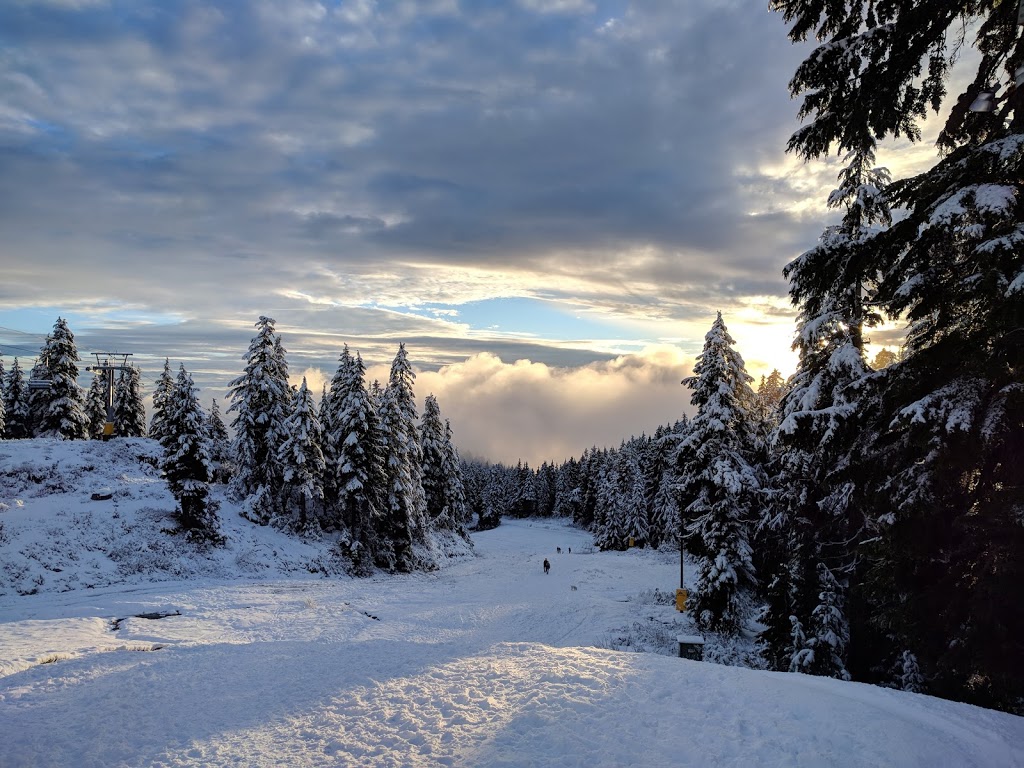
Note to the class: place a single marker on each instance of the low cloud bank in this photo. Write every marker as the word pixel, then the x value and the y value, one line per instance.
pixel 535 412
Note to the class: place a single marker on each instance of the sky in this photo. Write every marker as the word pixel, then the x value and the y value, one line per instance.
pixel 547 201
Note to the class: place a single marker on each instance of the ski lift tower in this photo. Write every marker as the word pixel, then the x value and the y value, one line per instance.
pixel 107 363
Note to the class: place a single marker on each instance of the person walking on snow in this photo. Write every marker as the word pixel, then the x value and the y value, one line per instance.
pixel 547 565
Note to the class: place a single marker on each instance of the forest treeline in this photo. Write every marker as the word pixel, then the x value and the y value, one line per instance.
pixel 361 464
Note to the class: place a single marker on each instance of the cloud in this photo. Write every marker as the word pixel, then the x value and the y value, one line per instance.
pixel 368 172
pixel 535 412
pixel 557 6
pixel 219 136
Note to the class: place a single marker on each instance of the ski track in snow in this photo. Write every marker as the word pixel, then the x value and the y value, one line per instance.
pixel 488 662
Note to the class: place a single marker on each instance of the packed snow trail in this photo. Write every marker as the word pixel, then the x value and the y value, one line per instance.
pixel 483 663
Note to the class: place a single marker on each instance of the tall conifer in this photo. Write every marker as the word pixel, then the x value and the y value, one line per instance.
pixel 302 462
pixel 63 412
pixel 719 485
pixel 129 410
pixel 186 463
pixel 16 404
pixel 932 464
pixel 161 392
pixel 261 401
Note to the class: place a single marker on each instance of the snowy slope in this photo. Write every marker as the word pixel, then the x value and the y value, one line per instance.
pixel 487 662
pixel 55 537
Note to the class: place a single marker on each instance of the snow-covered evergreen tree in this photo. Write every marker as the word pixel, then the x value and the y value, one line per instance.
pixel 719 485
pixel 767 401
pixel 665 513
pixel 933 463
pixel 823 647
pixel 608 528
pixel 162 390
pixel 405 504
pixel 261 401
pixel 186 464
pixel 910 678
pixel 782 594
pixel 38 395
pixel 810 519
pixel 302 462
pixel 442 472
pixel 96 405
pixel 545 482
pixel 474 475
pixel 524 498
pixel 63 413
pixel 323 415
pixel 219 444
pixel 432 451
pixel 592 461
pixel 453 486
pixel 495 496
pixel 129 410
pixel 16 404
pixel 331 406
pixel 568 493
pixel 355 462
pixel 632 498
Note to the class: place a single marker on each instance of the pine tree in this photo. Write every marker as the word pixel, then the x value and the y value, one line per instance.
pixel 261 400
pixel 933 462
pixel 766 410
pixel 591 462
pixel 356 462
pixel 331 406
pixel 323 415
pixel 719 485
pixel 823 649
pixel 632 498
pixel 568 494
pixel 219 444
pixel 783 599
pixel 497 497
pixel 16 404
pixel 63 414
pixel 432 450
pixel 810 519
pixel 453 485
pixel 665 516
pixel 302 461
pixel 96 405
pixel 186 463
pixel 162 390
pixel 405 504
pixel 524 500
pixel 608 528
pixel 910 678
pixel 38 395
pixel 129 410
pixel 331 409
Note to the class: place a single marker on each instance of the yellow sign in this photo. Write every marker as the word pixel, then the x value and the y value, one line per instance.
pixel 681 600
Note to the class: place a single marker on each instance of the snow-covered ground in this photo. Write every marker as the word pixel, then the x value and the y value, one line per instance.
pixel 486 662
